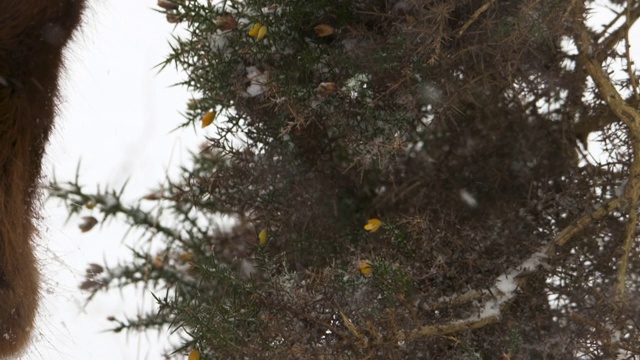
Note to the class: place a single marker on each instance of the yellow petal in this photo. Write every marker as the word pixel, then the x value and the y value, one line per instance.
pixel 254 30
pixel 208 118
pixel 323 30
pixel 373 225
pixel 365 268
pixel 262 237
pixel 261 33
pixel 194 355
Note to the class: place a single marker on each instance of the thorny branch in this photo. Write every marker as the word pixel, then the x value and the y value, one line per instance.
pixel 501 298
pixel 475 16
pixel 582 222
pixel 359 323
pixel 633 81
pixel 630 231
pixel 627 114
pixel 609 42
pixel 630 117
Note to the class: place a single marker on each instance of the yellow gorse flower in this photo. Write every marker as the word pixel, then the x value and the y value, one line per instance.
pixel 261 33
pixel 208 118
pixel 194 355
pixel 373 225
pixel 262 237
pixel 258 31
pixel 324 30
pixel 365 267
pixel 253 32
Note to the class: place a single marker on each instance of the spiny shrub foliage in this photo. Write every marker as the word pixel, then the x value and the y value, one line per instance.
pixel 456 130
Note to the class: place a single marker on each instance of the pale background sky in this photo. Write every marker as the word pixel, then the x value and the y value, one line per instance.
pixel 116 116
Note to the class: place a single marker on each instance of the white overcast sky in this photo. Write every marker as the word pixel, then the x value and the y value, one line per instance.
pixel 116 116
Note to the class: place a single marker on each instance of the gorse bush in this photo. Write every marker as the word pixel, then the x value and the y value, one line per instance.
pixel 404 179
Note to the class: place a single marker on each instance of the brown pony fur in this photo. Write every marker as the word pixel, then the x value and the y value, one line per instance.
pixel 33 34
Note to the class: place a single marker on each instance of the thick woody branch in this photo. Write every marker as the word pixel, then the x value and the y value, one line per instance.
pixel 630 117
pixel 582 222
pixel 449 328
pixel 609 93
pixel 630 230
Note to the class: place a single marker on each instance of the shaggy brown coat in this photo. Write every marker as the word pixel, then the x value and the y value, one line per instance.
pixel 33 34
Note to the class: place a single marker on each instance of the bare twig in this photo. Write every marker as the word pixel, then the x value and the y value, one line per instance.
pixel 502 292
pixel 630 230
pixel 582 222
pixel 475 16
pixel 633 81
pixel 449 328
pixel 563 237
pixel 351 326
pixel 610 42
